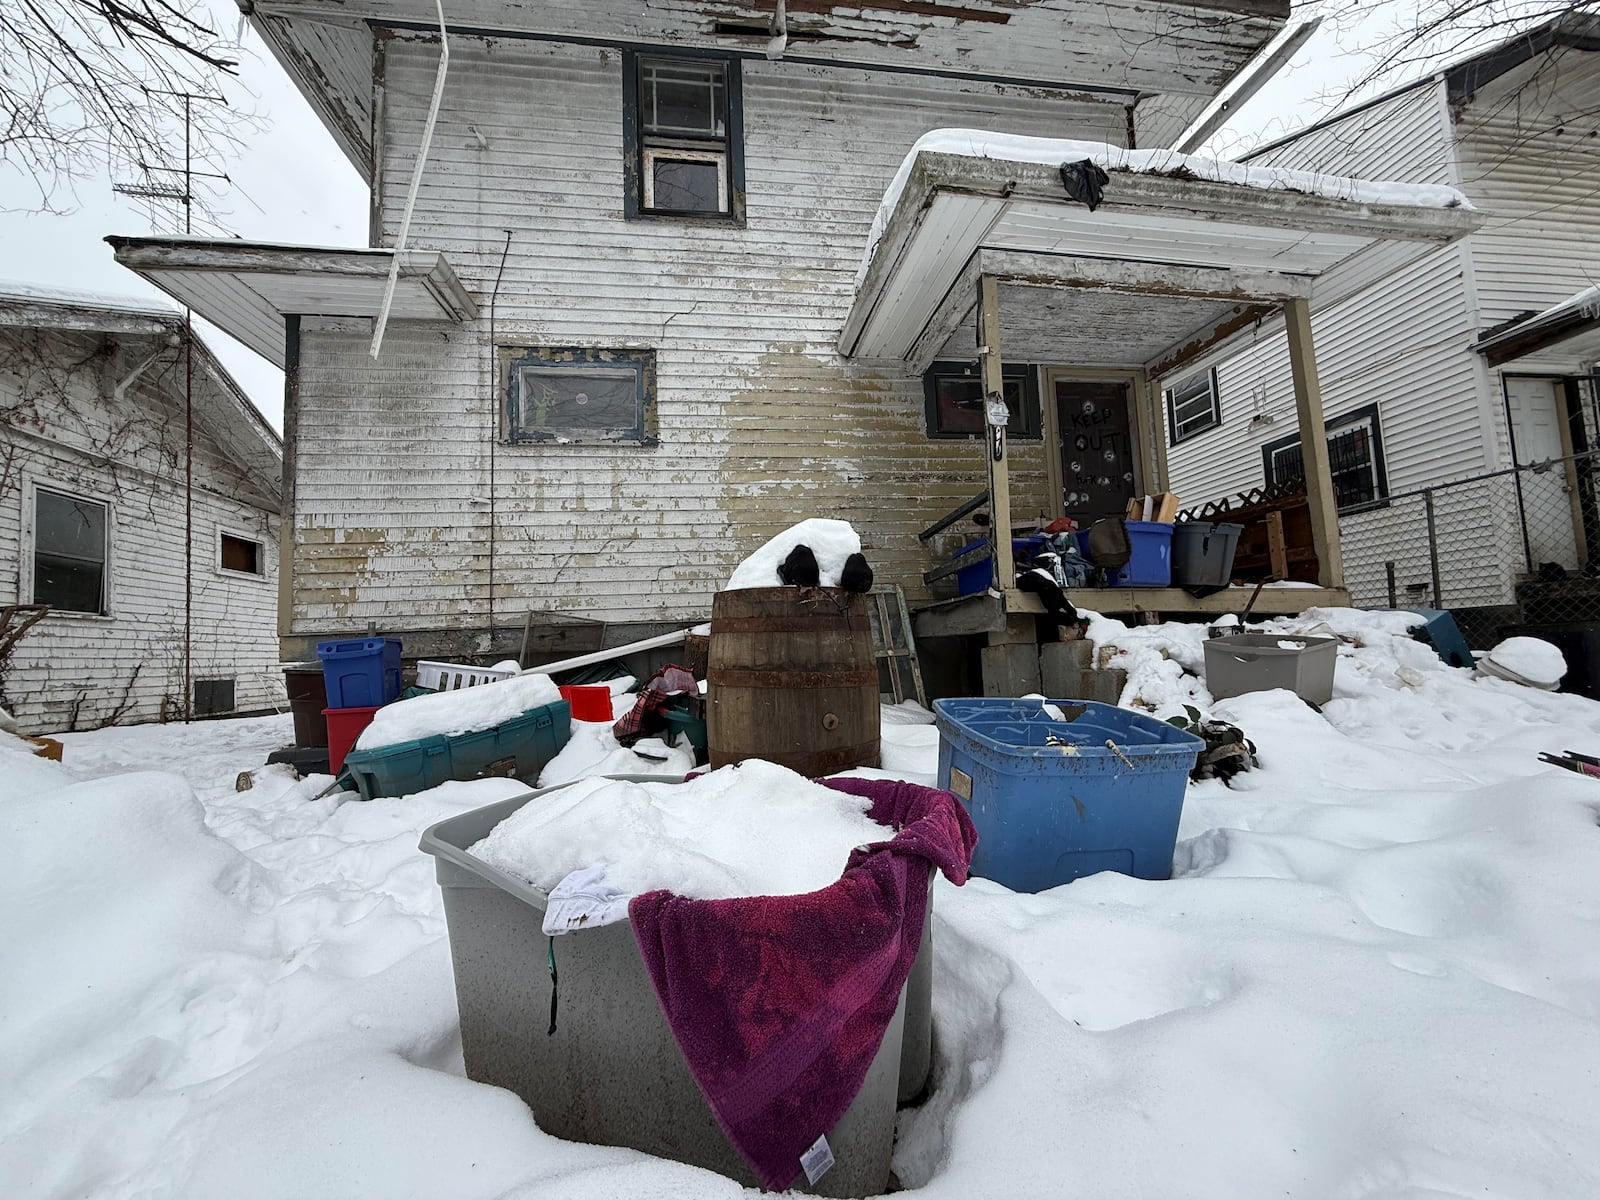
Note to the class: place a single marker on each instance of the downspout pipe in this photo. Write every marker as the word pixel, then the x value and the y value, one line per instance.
pixel 416 182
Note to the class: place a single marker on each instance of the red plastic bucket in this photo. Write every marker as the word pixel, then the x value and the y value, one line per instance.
pixel 344 727
pixel 590 702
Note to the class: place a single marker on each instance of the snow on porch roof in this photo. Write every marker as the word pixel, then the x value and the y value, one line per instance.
pixel 248 288
pixel 1169 225
pixel 1571 328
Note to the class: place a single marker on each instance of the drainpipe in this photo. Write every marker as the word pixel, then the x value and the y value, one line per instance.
pixel 416 180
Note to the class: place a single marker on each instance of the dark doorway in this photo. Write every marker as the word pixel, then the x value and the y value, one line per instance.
pixel 1097 460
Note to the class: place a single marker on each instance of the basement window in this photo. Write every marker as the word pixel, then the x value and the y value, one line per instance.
pixel 1193 406
pixel 561 394
pixel 1355 459
pixel 70 545
pixel 240 554
pixel 953 400
pixel 213 697
pixel 682 133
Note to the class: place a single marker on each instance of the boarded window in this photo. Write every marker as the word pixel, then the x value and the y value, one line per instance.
pixel 213 696
pixel 953 399
pixel 682 130
pixel 1355 459
pixel 69 552
pixel 241 554
pixel 1193 406
pixel 578 394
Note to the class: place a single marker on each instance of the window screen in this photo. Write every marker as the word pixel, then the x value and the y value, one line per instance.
pixel 558 394
pixel 1192 406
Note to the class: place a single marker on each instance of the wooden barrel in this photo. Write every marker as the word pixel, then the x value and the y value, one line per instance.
pixel 791 678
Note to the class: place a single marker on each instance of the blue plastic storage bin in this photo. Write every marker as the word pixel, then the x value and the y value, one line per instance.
pixel 1049 814
pixel 514 749
pixel 361 672
pixel 974 576
pixel 1151 564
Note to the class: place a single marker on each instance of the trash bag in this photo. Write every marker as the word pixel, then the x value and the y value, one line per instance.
pixel 1085 182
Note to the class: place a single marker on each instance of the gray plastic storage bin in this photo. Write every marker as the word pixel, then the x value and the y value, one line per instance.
pixel 1259 662
pixel 612 1073
pixel 1202 553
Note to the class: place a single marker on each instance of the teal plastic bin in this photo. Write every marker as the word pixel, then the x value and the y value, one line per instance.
pixel 515 749
pixel 1047 814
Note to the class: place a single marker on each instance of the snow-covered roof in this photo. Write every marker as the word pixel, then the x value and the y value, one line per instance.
pixel 1170 228
pixel 1570 329
pixel 44 293
pixel 1009 147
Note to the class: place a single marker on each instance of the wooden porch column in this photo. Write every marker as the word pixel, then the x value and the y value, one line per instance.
pixel 1314 444
pixel 1004 569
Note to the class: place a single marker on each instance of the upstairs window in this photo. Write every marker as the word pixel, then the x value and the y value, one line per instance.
pixel 1193 407
pixel 240 554
pixel 1355 460
pixel 682 131
pixel 69 552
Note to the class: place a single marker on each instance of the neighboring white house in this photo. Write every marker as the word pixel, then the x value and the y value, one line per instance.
pixel 118 434
pixel 1421 383
pixel 612 365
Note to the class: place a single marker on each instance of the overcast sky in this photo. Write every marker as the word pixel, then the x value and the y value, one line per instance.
pixel 292 184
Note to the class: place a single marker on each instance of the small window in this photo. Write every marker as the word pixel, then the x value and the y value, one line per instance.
pixel 69 552
pixel 240 554
pixel 953 399
pixel 682 130
pixel 1193 406
pixel 1355 460
pixel 576 394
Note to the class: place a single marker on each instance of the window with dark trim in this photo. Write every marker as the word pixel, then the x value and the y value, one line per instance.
pixel 1193 406
pixel 579 394
pixel 69 552
pixel 682 133
pixel 953 400
pixel 1355 459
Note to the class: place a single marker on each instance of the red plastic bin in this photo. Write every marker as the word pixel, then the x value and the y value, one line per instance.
pixel 344 727
pixel 590 702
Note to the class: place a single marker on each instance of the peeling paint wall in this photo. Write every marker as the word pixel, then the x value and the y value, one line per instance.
pixel 61 427
pixel 760 423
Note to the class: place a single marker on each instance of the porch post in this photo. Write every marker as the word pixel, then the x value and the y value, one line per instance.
pixel 1314 444
pixel 1004 569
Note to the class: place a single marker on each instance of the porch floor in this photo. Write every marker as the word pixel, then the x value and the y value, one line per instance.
pixel 986 612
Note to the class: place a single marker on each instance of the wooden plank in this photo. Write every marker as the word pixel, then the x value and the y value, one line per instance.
pixel 1005 571
pixel 1277 550
pixel 1175 600
pixel 966 615
pixel 1314 444
pixel 1045 269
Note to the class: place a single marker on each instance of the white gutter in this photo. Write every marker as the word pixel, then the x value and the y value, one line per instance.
pixel 416 181
pixel 1255 76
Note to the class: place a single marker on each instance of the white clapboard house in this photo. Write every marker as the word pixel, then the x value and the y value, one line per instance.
pixel 632 336
pixel 1455 365
pixel 139 506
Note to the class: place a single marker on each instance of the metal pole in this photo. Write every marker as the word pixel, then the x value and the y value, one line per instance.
pixel 1433 548
pixel 1388 569
pixel 188 443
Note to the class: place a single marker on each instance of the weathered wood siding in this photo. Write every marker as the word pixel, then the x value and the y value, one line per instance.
pixel 61 427
pixel 401 489
pixel 1402 344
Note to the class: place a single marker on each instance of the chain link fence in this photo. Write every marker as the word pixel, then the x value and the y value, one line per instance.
pixel 1519 546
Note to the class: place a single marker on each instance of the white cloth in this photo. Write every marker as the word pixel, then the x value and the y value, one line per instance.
pixel 584 900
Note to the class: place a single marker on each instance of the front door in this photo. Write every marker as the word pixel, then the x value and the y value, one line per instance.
pixel 1536 407
pixel 1098 467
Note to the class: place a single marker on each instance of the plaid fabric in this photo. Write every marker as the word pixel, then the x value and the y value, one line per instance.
pixel 644 719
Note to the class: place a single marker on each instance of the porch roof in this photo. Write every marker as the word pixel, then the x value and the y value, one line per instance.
pixel 1180 254
pixel 1570 330
pixel 248 288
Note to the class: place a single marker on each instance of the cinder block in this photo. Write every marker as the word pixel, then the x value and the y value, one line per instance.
pixel 1011 670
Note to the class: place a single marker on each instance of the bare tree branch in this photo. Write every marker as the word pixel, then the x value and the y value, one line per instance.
pixel 92 85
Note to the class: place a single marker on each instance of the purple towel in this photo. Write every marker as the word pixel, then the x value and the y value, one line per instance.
pixel 779 1003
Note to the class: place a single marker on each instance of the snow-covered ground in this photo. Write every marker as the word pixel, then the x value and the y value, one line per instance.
pixel 1375 973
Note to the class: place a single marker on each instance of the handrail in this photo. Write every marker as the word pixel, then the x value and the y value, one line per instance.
pixel 951 518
